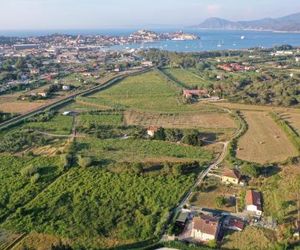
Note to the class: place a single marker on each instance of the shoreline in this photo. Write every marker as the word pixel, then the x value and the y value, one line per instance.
pixel 254 30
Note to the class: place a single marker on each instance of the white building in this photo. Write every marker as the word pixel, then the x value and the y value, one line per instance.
pixel 254 202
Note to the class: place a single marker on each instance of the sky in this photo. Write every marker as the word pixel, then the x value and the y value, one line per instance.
pixel 97 14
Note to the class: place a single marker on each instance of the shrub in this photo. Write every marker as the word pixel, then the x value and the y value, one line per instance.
pixel 35 178
pixel 29 171
pixel 85 162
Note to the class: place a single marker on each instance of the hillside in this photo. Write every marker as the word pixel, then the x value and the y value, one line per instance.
pixel 289 23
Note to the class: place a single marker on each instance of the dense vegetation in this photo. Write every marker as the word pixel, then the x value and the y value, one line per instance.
pixel 22 178
pixel 275 81
pixel 128 207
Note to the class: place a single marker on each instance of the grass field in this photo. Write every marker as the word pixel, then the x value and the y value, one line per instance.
pixel 264 142
pixel 280 193
pixel 250 238
pixel 213 120
pixel 207 199
pixel 147 92
pixel 99 209
pixel 136 150
pixel 59 124
pixel 113 119
pixel 187 78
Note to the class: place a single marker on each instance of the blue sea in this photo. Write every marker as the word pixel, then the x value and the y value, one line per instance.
pixel 209 39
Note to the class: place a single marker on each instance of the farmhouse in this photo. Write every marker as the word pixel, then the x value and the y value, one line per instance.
pixel 231 67
pixel 205 228
pixel 43 94
pixel 152 130
pixel 254 202
pixel 188 93
pixel 231 176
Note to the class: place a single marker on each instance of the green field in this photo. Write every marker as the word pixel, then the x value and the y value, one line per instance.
pixel 100 119
pixel 186 77
pixel 97 208
pixel 15 189
pixel 146 92
pixel 140 150
pixel 59 124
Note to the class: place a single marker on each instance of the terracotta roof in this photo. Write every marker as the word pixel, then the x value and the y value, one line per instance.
pixel 254 198
pixel 233 173
pixel 194 92
pixel 236 223
pixel 206 224
pixel 153 128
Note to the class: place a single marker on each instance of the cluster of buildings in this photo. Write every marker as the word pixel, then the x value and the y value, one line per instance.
pixel 150 36
pixel 202 225
pixel 196 94
pixel 208 225
pixel 235 67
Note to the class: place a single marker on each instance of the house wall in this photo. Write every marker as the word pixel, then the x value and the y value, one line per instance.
pixel 198 235
pixel 229 180
pixel 253 208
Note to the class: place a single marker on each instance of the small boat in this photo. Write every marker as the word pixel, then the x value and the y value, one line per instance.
pixel 243 37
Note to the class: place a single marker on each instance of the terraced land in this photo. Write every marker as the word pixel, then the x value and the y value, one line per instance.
pixel 264 142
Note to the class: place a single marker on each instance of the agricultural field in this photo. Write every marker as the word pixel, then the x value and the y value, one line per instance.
pixel 293 118
pixel 212 120
pixel 147 92
pixel 22 178
pixel 265 141
pixel 129 208
pixel 59 124
pixel 100 119
pixel 185 77
pixel 139 150
pixel 10 104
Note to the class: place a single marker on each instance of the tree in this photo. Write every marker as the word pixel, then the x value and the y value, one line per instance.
pixel 250 170
pixel 138 168
pixel 173 135
pixel 29 171
pixel 85 162
pixel 220 201
pixel 192 138
pixel 160 134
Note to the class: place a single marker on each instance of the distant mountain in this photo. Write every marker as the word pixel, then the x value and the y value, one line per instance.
pixel 289 23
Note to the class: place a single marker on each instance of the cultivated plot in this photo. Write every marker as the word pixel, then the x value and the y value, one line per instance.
pixel 185 77
pixel 264 142
pixel 212 120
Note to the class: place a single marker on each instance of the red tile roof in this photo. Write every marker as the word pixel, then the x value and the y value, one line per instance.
pixel 232 173
pixel 206 224
pixel 236 223
pixel 254 198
